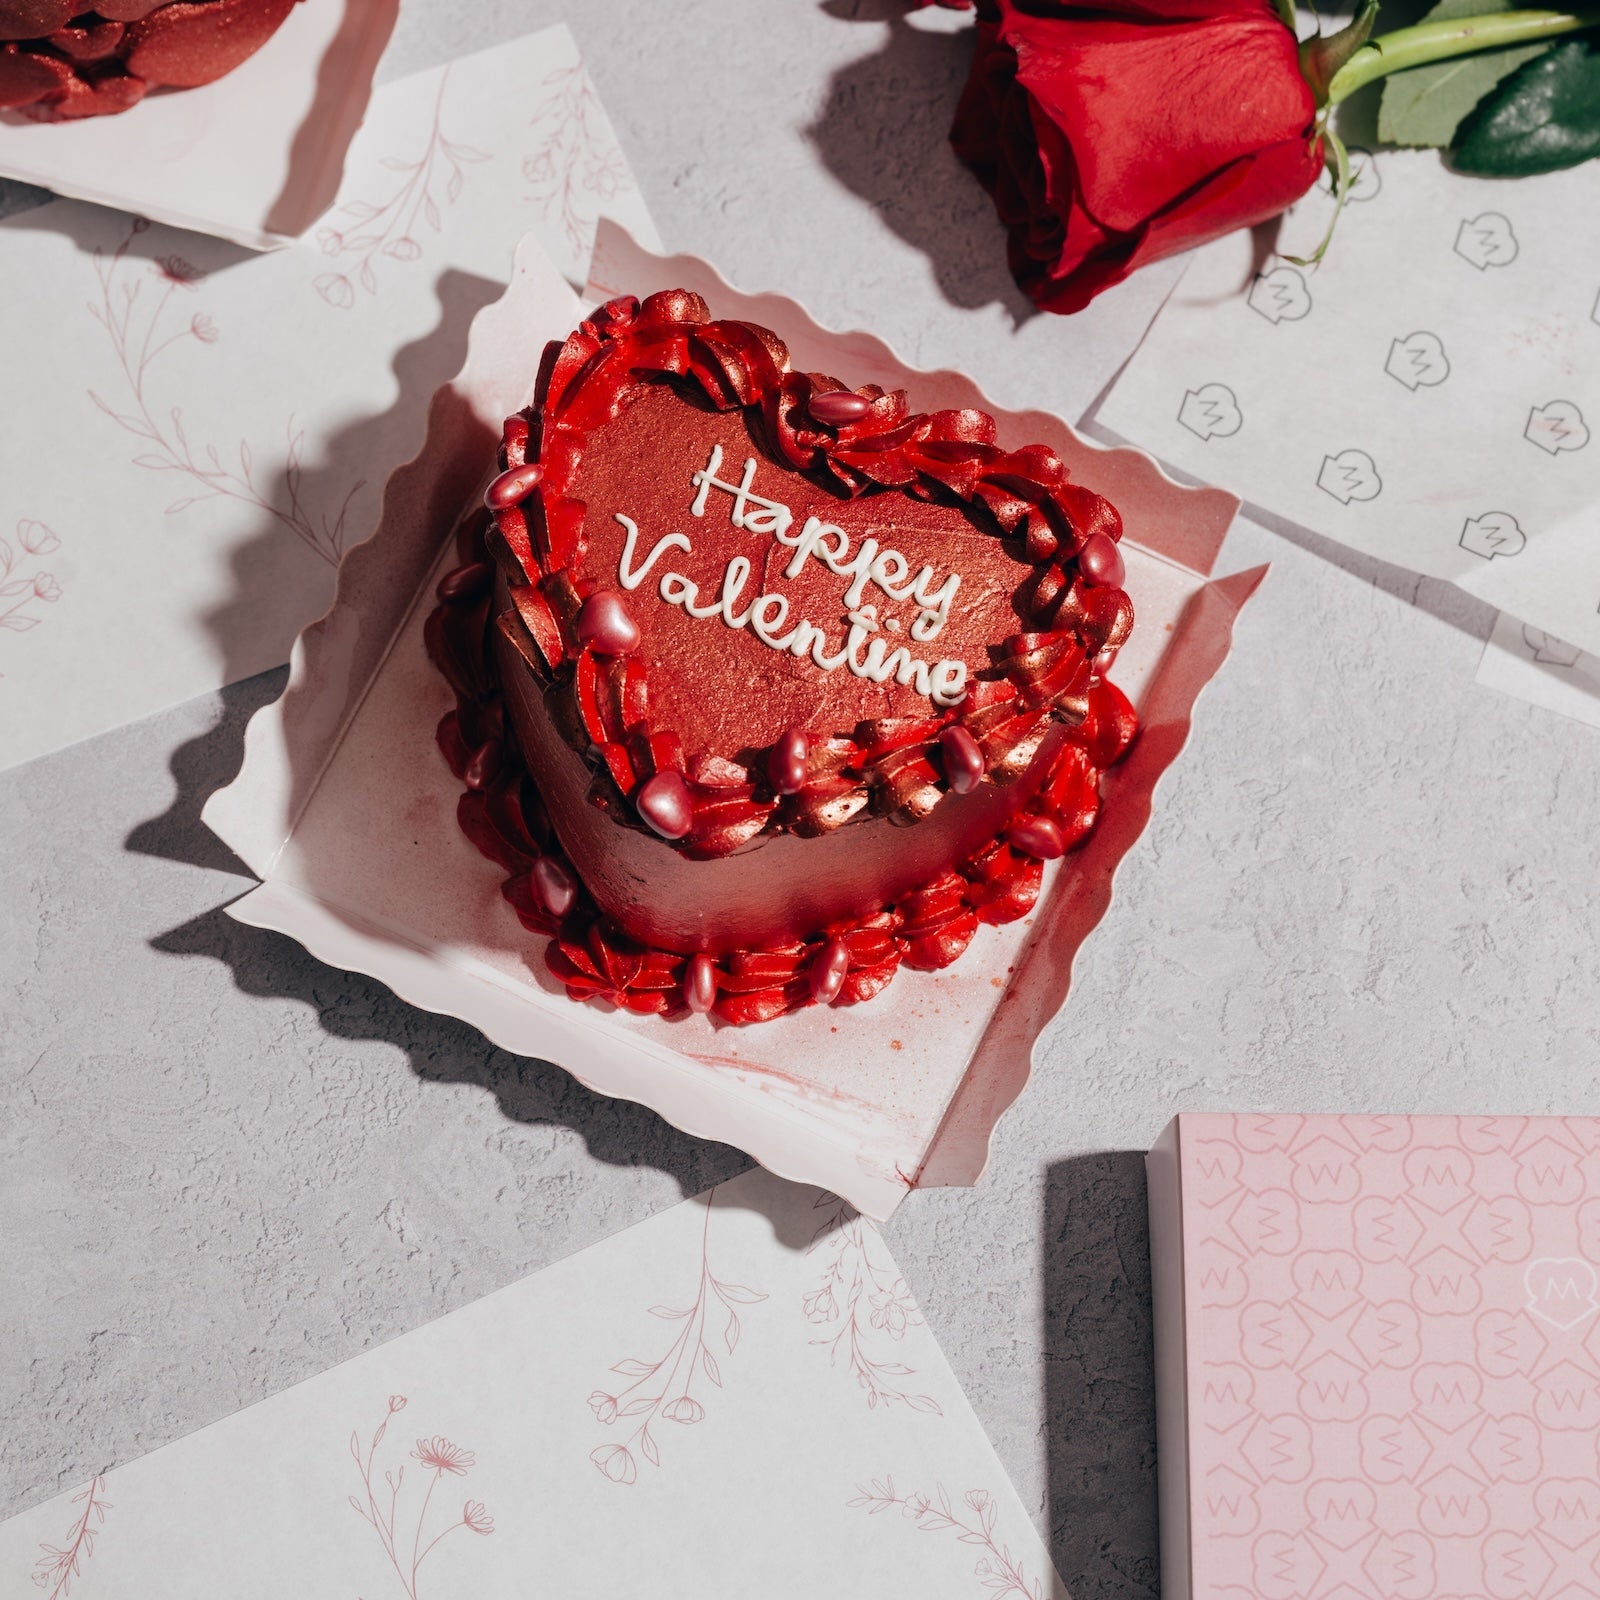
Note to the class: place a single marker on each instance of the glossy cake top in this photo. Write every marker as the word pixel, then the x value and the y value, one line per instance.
pixel 781 604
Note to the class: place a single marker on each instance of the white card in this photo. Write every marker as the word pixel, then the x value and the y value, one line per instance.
pixel 206 431
pixel 736 1397
pixel 1536 666
pixel 1429 394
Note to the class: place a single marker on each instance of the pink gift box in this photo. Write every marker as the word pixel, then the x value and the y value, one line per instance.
pixel 1378 1357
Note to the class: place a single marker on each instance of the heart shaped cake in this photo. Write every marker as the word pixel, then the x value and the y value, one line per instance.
pixel 766 685
pixel 61 60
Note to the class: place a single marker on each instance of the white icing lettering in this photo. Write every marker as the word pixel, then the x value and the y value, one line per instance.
pixel 944 682
pixel 770 516
pixel 630 576
pixel 678 590
pixel 949 682
pixel 809 542
pixel 766 627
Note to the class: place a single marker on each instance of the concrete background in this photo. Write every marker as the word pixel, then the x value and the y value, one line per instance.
pixel 1368 885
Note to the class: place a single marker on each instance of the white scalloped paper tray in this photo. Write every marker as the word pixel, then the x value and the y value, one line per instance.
pixel 346 810
pixel 255 157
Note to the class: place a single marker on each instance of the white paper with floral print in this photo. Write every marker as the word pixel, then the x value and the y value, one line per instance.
pixel 1530 664
pixel 205 431
pixel 735 1397
pixel 1429 394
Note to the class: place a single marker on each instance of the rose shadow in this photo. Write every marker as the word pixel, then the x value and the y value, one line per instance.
pixel 912 179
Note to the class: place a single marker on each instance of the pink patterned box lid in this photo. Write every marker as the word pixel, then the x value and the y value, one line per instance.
pixel 1378 1357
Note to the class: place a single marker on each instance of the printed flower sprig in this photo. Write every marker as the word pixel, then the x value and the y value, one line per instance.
pixel 437 1456
pixel 369 229
pixel 999 1571
pixel 575 156
pixel 141 332
pixel 20 589
pixel 859 1296
pixel 663 1390
pixel 59 1564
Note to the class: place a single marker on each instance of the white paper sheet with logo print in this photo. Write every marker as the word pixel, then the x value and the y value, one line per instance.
pixel 1430 394
pixel 737 1397
pixel 206 431
pixel 1536 666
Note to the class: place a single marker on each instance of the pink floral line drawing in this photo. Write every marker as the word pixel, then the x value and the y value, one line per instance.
pixel 58 1565
pixel 140 334
pixel 364 230
pixel 1000 1572
pixel 576 155
pixel 20 588
pixel 662 1390
pixel 437 1456
pixel 860 1296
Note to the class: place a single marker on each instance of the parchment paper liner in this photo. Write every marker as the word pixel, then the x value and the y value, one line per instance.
pixel 346 811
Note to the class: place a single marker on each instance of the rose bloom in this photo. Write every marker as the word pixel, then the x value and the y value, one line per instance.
pixel 1115 135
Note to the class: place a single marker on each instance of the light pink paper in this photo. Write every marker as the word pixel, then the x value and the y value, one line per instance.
pixel 1378 1356
pixel 346 809
pixel 254 158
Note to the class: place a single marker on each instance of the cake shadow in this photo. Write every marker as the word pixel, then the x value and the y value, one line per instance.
pixel 884 133
pixel 212 759
pixel 347 459
pixel 1099 1377
pixel 441 1050
pixel 269 966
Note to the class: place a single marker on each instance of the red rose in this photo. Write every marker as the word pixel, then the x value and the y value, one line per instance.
pixel 1116 135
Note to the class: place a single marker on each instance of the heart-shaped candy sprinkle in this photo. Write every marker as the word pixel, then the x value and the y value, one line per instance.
pixel 464 583
pixel 827 970
pixel 963 759
pixel 786 765
pixel 840 408
pixel 513 486
pixel 555 885
pixel 666 805
pixel 700 983
pixel 605 626
pixel 483 767
pixel 1100 562
pixel 1038 837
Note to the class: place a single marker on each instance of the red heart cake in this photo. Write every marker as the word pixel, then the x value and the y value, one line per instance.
pixel 60 60
pixel 765 686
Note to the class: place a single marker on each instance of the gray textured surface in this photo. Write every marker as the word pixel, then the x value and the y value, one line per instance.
pixel 1368 884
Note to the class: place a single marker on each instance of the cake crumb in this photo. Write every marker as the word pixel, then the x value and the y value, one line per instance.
pixel 895 1044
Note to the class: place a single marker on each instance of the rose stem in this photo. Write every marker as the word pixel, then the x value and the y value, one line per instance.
pixel 1441 41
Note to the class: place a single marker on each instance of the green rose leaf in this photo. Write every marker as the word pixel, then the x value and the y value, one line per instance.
pixel 1426 105
pixel 1544 117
